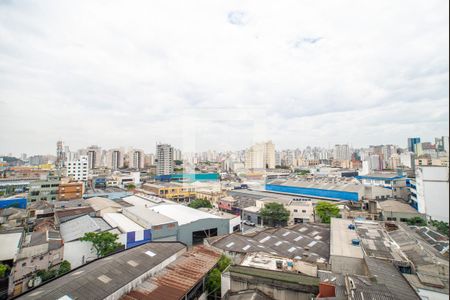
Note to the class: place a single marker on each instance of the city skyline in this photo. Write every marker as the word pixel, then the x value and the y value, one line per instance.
pixel 222 151
pixel 301 73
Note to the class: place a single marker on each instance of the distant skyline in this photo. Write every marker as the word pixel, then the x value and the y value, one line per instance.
pixel 222 74
pixel 153 151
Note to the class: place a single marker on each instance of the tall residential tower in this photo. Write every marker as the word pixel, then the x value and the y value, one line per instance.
pixel 165 157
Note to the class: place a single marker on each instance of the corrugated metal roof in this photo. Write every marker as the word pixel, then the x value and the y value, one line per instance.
pixel 179 277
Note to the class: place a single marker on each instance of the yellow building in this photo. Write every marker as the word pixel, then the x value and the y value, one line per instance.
pixel 172 191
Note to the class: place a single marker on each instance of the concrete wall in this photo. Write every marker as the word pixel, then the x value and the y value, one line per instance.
pixel 250 216
pixel 78 253
pixel 347 265
pixel 272 290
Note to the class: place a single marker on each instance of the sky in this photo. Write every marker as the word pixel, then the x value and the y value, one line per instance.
pixel 221 75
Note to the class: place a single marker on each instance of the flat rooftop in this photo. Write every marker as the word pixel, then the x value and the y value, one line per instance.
pixel 122 222
pixel 397 206
pixel 341 239
pixel 334 186
pixel 182 214
pixel 76 228
pixel 103 277
pixel 149 216
pixel 10 242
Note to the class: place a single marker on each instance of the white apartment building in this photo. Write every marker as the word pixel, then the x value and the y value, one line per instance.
pixel 260 156
pixel 165 157
pixel 430 191
pixel 78 169
pixel 136 159
pixel 115 159
pixel 342 152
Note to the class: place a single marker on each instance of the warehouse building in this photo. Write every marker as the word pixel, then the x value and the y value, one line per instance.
pixel 111 277
pixel 337 191
pixel 162 227
pixel 193 225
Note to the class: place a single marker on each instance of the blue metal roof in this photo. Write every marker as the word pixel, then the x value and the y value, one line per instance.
pixel 380 178
pixel 312 192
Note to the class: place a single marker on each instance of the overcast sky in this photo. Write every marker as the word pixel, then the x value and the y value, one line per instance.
pixel 221 74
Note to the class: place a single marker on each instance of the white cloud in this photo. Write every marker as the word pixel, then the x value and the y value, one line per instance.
pixel 112 73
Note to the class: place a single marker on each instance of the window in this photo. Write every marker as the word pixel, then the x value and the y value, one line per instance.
pixel 171 226
pixel 159 227
pixel 303 211
pixel 295 210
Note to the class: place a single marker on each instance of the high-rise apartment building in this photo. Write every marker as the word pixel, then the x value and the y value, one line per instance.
pixel 342 152
pixel 78 169
pixel 260 156
pixel 94 154
pixel 60 157
pixel 136 159
pixel 412 142
pixel 165 157
pixel 115 159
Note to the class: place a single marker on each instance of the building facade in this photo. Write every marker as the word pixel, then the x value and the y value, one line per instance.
pixel 260 156
pixel 165 157
pixel 78 169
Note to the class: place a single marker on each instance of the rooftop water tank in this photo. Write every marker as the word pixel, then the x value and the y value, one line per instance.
pixel 355 242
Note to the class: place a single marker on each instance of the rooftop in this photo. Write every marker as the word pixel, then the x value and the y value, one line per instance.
pixel 326 185
pixel 181 213
pixel 178 278
pixel 150 217
pixel 387 274
pixel 218 213
pixel 143 200
pixel 397 206
pixel 103 277
pixel 100 203
pixel 76 228
pixel 120 221
pixel 341 239
pixel 10 241
pixel 304 242
pixel 276 275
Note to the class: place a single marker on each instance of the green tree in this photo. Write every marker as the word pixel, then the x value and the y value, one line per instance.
pixel 441 227
pixel 178 162
pixel 326 211
pixel 417 221
pixel 64 268
pixel 213 282
pixel 131 187
pixel 3 270
pixel 303 172
pixel 275 214
pixel 198 203
pixel 103 242
pixel 223 263
pixel 47 275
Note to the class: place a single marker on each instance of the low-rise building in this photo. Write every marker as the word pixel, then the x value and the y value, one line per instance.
pixel 183 279
pixel 39 251
pixel 103 205
pixel 274 284
pixel 68 190
pixel 44 190
pixel 173 191
pixel 111 277
pixel 397 210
